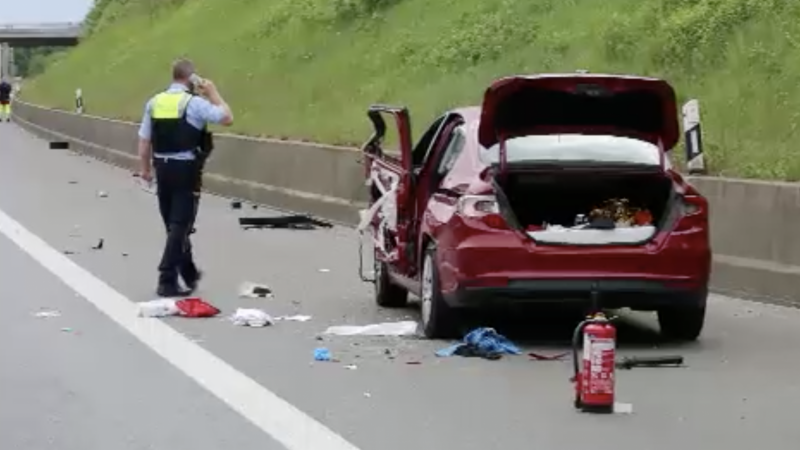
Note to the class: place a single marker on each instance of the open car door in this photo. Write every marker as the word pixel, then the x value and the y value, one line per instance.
pixel 389 176
pixel 634 107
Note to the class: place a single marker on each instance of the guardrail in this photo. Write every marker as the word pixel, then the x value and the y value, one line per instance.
pixel 754 223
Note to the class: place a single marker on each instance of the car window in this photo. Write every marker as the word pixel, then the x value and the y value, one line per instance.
pixel 420 152
pixel 454 147
pixel 576 147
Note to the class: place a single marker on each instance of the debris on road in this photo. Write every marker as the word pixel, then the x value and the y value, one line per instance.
pixel 102 194
pixel 405 328
pixel 99 245
pixel 236 204
pixel 322 354
pixel 158 308
pixel 59 145
pixel 541 357
pixel 189 307
pixel 297 221
pixel 196 307
pixel 351 367
pixel 68 252
pixel 623 408
pixel 72 182
pixel 254 290
pixel 649 361
pixel 251 318
pixel 66 329
pixel 47 314
pixel 295 318
pixel 484 343
pixel 324 270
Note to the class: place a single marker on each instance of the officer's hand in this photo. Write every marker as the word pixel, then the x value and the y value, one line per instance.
pixel 208 87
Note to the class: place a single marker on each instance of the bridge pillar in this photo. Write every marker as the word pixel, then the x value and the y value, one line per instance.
pixel 5 60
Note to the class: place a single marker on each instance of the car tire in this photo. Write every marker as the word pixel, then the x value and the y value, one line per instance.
pixel 684 323
pixel 437 317
pixel 388 294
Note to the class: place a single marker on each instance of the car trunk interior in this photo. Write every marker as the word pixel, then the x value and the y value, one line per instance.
pixel 555 200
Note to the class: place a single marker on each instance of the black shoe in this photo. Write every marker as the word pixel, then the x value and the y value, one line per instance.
pixel 171 290
pixel 192 282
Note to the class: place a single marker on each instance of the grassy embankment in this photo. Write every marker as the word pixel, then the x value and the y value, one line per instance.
pixel 307 69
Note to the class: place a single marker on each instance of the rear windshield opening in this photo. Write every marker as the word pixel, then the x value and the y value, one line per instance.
pixel 638 111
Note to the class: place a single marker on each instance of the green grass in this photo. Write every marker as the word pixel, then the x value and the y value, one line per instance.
pixel 307 69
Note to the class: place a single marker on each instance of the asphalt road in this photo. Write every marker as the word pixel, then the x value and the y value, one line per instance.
pixel 97 377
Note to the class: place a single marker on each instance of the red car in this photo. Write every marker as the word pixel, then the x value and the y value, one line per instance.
pixel 558 188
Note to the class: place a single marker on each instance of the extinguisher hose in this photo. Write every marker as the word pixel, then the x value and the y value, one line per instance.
pixel 576 338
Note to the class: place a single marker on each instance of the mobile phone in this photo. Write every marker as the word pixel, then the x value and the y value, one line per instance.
pixel 196 81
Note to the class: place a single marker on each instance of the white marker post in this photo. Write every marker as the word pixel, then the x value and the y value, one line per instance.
pixel 79 101
pixel 693 137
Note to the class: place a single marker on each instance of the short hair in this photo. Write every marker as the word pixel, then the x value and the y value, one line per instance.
pixel 182 69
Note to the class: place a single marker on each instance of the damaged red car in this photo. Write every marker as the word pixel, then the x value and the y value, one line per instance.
pixel 558 188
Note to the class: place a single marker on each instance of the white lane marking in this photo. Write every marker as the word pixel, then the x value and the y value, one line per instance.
pixel 275 416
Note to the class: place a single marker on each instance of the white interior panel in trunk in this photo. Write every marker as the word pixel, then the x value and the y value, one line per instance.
pixel 587 236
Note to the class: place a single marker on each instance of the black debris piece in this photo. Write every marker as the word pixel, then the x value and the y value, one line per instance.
pixel 236 204
pixel 649 361
pixel 59 145
pixel 99 245
pixel 300 222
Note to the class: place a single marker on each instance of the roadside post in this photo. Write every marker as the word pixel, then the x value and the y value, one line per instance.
pixel 693 138
pixel 79 101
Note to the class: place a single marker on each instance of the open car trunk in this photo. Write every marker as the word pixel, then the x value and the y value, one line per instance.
pixel 567 207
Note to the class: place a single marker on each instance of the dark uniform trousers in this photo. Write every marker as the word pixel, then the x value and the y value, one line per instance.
pixel 178 190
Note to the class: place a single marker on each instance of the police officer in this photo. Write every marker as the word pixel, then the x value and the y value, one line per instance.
pixel 5 100
pixel 171 138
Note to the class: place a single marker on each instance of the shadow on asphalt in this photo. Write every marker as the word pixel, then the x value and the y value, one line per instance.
pixel 543 327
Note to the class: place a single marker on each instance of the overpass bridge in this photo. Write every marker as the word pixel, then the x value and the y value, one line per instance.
pixel 34 35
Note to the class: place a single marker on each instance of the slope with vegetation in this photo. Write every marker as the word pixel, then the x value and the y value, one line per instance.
pixel 307 69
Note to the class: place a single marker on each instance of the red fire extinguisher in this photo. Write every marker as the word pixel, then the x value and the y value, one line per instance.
pixel 594 371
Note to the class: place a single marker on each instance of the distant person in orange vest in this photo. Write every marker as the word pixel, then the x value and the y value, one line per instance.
pixel 5 100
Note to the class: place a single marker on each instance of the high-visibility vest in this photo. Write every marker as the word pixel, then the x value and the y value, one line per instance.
pixel 172 133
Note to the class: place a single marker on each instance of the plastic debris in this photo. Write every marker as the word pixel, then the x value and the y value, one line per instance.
pixel 251 318
pixel 47 314
pixel 236 204
pixel 482 342
pixel 351 367
pixel 196 307
pixel 324 270
pixel 66 330
pixel 99 245
pixel 158 308
pixel 623 408
pixel 102 194
pixel 322 354
pixel 254 290
pixel 190 307
pixel 295 318
pixel 405 328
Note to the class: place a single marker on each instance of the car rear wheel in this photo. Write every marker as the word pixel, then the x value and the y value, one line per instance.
pixel 388 294
pixel 684 323
pixel 438 318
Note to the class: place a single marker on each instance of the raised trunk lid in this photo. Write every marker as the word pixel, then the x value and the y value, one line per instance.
pixel 634 107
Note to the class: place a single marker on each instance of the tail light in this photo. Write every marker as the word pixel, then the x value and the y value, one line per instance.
pixel 691 213
pixel 483 208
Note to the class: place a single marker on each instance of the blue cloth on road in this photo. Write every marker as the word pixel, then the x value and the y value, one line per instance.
pixel 485 341
pixel 322 354
pixel 199 113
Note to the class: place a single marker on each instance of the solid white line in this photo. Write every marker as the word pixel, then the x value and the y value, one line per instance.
pixel 276 417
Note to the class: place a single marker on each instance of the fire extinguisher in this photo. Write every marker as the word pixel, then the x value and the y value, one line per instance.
pixel 594 371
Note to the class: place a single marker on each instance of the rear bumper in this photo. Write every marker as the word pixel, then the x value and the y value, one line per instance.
pixel 611 293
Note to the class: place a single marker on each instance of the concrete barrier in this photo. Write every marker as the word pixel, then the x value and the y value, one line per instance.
pixel 753 222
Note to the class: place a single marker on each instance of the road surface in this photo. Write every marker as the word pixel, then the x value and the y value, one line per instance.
pixel 98 377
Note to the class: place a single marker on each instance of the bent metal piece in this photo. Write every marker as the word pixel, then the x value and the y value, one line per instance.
pixel 291 221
